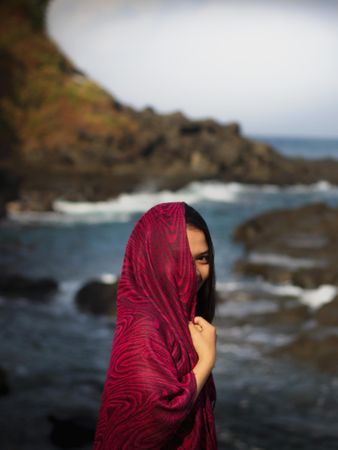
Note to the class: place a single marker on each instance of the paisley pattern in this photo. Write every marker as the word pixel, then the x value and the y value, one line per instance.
pixel 147 400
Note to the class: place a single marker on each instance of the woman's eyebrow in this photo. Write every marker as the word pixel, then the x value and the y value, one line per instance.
pixel 206 252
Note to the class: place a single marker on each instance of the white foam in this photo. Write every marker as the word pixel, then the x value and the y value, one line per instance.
pixel 320 186
pixel 145 199
pixel 119 209
pixel 284 260
pixel 314 298
pixel 250 334
pixel 65 299
pixel 258 285
pixel 108 278
pixel 240 309
pixel 285 290
pixel 64 302
pixel 34 217
pixel 239 350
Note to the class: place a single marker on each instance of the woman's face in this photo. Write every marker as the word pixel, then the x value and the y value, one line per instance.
pixel 200 253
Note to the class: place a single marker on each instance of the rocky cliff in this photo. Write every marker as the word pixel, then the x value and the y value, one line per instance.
pixel 64 136
pixel 297 246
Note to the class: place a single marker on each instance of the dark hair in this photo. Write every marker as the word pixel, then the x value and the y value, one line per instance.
pixel 206 296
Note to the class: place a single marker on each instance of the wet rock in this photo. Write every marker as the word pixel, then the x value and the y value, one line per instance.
pixel 74 431
pixel 97 297
pixel 22 286
pixel 4 384
pixel 297 246
pixel 9 189
pixel 275 274
pixel 328 314
pixel 294 315
pixel 316 350
pixel 287 316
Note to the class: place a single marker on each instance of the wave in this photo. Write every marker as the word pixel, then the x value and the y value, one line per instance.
pixel 63 301
pixel 313 298
pixel 122 207
pixel 125 204
pixel 241 309
pixel 284 260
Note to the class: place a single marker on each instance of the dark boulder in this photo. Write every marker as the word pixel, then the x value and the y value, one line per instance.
pixel 74 431
pixel 327 315
pixel 9 189
pixel 22 286
pixel 297 246
pixel 294 315
pixel 275 274
pixel 318 351
pixel 97 297
pixel 4 384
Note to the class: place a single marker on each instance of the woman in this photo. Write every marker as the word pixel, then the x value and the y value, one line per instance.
pixel 159 392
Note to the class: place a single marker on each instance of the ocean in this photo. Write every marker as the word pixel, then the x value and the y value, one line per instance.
pixel 56 356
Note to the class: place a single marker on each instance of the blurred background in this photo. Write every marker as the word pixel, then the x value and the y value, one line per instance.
pixel 110 107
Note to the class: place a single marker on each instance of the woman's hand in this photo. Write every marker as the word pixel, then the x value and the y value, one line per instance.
pixel 203 336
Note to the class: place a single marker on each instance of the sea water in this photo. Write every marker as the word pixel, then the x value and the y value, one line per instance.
pixel 56 357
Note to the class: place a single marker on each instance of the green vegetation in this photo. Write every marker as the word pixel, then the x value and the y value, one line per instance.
pixel 46 103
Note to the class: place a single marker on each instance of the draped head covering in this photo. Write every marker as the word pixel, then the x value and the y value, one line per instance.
pixel 147 400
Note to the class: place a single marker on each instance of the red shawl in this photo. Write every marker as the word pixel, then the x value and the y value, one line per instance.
pixel 147 400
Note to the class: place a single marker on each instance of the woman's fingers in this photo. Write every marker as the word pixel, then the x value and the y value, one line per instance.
pixel 193 329
pixel 196 326
pixel 198 320
pixel 203 336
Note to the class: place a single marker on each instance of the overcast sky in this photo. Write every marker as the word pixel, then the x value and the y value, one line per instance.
pixel 270 65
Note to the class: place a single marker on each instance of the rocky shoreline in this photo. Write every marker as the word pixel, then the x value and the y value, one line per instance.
pixel 80 143
pixel 297 247
pixel 277 360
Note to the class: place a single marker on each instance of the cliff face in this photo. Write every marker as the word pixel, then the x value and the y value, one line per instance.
pixel 49 107
pixel 64 136
pixel 58 128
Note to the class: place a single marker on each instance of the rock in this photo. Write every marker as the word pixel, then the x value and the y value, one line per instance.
pixel 295 315
pixel 321 352
pixel 21 286
pixel 297 246
pixel 304 226
pixel 327 315
pixel 313 277
pixel 275 274
pixel 97 297
pixel 9 189
pixel 74 431
pixel 4 384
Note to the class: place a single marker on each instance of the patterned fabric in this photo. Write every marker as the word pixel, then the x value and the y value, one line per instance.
pixel 147 400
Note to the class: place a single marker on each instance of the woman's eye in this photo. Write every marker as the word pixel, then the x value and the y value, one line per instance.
pixel 204 258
